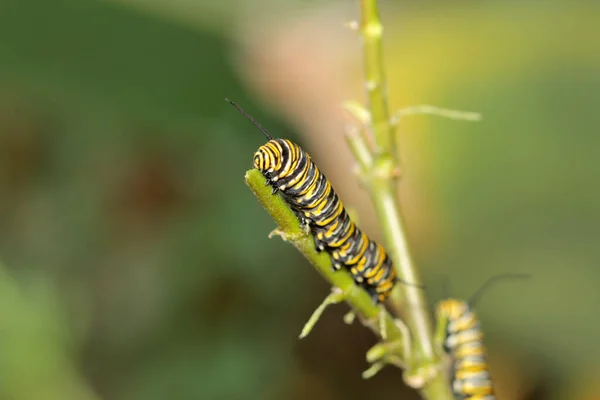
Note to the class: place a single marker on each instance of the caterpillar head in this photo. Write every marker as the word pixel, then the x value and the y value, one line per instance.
pixel 452 308
pixel 450 318
pixel 268 157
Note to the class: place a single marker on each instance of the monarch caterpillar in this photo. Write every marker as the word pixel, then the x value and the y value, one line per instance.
pixel 290 170
pixel 461 337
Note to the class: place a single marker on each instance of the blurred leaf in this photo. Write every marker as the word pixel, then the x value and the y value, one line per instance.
pixel 34 356
pixel 98 53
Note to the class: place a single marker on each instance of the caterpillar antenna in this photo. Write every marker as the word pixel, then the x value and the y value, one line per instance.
pixel 248 116
pixel 494 279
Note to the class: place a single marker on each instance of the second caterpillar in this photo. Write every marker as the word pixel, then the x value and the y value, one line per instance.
pixel 290 171
pixel 459 335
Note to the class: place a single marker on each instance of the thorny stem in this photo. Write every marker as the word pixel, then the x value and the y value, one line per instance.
pixel 381 180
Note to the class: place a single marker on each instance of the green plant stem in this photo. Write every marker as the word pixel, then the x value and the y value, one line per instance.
pixel 381 183
pixel 375 82
pixel 411 297
pixel 290 230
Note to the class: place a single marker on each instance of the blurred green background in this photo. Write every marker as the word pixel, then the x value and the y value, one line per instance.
pixel 135 263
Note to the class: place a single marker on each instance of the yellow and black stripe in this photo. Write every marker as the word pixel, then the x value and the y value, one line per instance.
pixel 463 341
pixel 290 170
pixel 459 334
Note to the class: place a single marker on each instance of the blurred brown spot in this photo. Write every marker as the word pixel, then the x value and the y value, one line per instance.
pixel 149 192
pixel 588 385
pixel 510 381
pixel 543 389
pixel 227 295
pixel 22 148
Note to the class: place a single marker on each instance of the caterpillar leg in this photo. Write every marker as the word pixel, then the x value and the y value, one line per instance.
pixel 319 244
pixel 270 182
pixel 304 222
pixel 336 266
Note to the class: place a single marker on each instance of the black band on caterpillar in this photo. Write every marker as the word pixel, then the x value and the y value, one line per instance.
pixel 471 379
pixel 290 170
pixel 463 341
